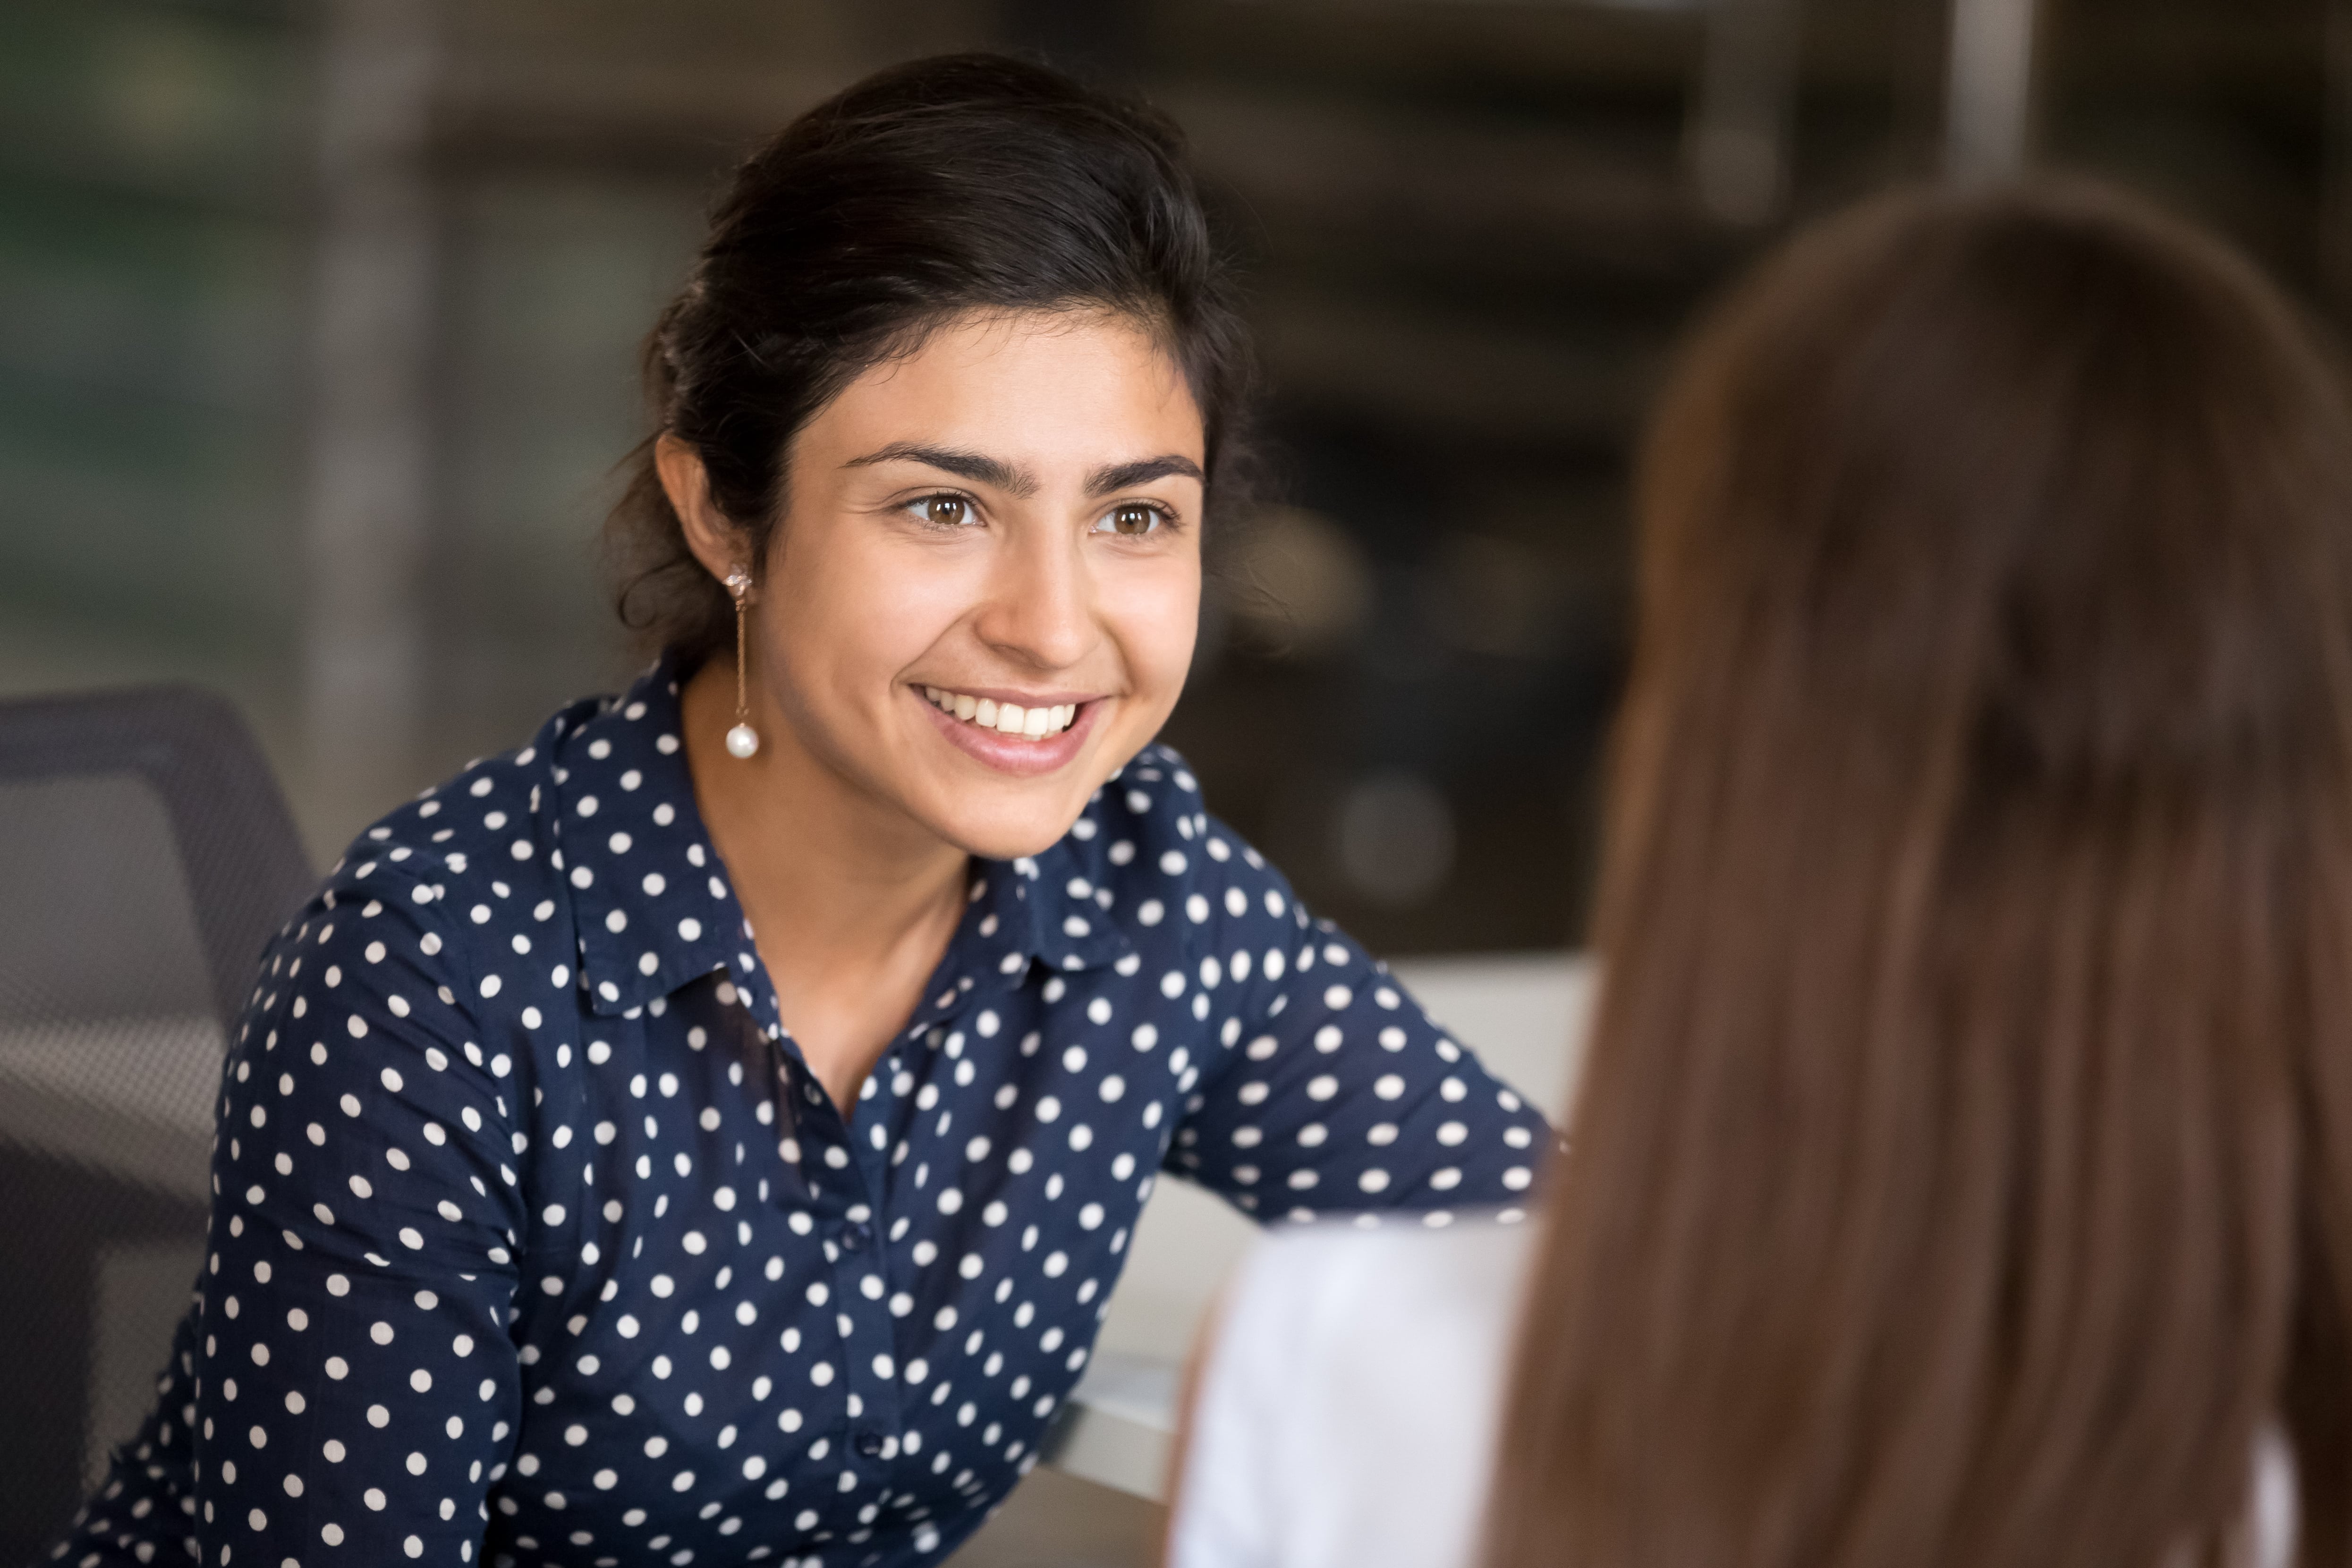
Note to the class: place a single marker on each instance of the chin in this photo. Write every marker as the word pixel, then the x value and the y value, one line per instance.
pixel 1015 830
pixel 1001 843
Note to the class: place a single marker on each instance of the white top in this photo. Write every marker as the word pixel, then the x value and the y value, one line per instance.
pixel 1348 1411
pixel 1347 1416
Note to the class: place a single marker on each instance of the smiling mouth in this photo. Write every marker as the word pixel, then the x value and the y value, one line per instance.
pixel 1004 718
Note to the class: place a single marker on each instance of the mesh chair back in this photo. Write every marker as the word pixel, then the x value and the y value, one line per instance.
pixel 146 856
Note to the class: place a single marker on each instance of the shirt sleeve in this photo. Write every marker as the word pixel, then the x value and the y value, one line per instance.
pixel 1229 1496
pixel 1296 1455
pixel 356 1382
pixel 1330 1089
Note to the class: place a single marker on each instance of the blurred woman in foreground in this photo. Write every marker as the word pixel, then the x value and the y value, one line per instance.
pixel 1962 1172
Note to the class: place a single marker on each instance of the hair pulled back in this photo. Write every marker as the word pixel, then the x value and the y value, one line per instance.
pixel 933 189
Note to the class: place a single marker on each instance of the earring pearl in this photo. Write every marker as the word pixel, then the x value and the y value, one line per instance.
pixel 742 741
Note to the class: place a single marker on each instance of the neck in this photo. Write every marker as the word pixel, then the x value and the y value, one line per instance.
pixel 825 871
pixel 851 905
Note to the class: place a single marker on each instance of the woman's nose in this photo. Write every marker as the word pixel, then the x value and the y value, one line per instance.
pixel 1040 606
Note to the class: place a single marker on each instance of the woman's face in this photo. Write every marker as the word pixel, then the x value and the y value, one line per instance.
pixel 982 595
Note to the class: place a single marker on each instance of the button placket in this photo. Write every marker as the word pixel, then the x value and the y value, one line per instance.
pixel 858 1250
pixel 871 1414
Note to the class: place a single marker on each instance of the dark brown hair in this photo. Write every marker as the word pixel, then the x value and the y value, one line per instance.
pixel 1962 1173
pixel 949 185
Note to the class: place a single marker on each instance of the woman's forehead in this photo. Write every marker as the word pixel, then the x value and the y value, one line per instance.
pixel 1052 390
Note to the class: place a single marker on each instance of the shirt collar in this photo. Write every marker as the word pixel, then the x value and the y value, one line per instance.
pixel 1050 912
pixel 652 905
pixel 654 909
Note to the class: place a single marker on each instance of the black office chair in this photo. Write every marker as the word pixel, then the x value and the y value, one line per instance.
pixel 146 856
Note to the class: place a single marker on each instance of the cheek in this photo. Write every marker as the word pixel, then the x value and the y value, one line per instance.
pixel 850 616
pixel 1157 618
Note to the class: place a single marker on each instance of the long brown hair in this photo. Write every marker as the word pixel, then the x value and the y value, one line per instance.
pixel 1962 1173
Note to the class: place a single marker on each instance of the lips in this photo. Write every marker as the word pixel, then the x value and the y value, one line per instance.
pixel 1040 723
pixel 1022 739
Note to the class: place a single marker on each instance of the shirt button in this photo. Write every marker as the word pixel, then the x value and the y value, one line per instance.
pixel 854 1237
pixel 869 1445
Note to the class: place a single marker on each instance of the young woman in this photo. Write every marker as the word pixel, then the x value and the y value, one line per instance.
pixel 711 1133
pixel 1962 1173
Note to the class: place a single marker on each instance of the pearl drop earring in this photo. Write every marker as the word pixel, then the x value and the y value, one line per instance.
pixel 743 741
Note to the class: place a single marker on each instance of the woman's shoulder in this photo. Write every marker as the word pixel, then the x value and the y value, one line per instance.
pixel 1342 1279
pixel 442 877
pixel 1346 1414
pixel 479 820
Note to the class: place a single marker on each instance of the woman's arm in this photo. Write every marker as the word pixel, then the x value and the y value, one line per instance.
pixel 355 1384
pixel 1330 1089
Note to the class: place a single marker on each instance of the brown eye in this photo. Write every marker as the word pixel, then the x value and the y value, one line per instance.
pixel 1133 519
pixel 946 511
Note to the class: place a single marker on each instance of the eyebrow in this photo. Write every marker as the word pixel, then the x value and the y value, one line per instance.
pixel 978 467
pixel 1121 476
pixel 982 469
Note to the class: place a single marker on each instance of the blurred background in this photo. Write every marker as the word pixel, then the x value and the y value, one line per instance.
pixel 319 323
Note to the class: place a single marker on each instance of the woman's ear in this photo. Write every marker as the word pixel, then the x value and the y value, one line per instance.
pixel 716 542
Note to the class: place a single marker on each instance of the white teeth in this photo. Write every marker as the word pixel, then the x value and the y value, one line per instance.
pixel 1005 718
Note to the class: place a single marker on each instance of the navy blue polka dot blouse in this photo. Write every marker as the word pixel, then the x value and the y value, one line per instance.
pixel 534 1239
